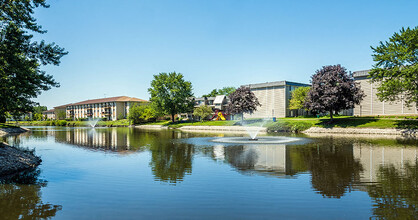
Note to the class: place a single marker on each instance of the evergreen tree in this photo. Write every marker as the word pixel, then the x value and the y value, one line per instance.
pixel 21 58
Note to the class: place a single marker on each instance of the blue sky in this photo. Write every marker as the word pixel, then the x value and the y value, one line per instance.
pixel 115 47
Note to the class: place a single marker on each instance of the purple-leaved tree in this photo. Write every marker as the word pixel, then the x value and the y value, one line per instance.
pixel 242 101
pixel 333 90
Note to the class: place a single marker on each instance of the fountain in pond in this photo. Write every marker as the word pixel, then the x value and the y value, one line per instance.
pixel 93 121
pixel 253 132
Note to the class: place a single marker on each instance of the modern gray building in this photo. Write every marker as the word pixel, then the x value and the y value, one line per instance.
pixel 274 99
pixel 371 106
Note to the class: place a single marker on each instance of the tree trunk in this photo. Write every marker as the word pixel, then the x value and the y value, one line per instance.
pixel 172 117
pixel 242 119
pixel 331 114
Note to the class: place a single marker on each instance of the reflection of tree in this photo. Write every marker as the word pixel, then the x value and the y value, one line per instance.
pixel 396 194
pixel 170 162
pixel 20 198
pixel 332 166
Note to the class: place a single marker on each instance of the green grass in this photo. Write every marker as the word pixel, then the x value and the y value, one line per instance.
pixel 3 125
pixel 300 124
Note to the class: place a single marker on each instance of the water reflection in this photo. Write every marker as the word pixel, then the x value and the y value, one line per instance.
pixel 395 195
pixel 21 198
pixel 386 170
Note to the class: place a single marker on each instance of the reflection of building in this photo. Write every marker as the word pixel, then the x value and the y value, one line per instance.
pixel 373 157
pixel 263 159
pixel 112 108
pixel 109 139
pixel 274 99
pixel 371 105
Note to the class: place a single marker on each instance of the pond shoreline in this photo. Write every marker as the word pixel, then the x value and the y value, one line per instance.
pixel 370 131
pixel 12 131
pixel 14 160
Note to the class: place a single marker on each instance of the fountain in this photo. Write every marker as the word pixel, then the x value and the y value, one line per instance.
pixel 93 121
pixel 253 131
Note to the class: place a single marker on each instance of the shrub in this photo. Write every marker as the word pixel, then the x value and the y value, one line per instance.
pixel 61 123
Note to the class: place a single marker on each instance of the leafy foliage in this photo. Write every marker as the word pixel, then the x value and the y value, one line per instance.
pixel 224 91
pixel 299 98
pixel 333 90
pixel 60 114
pixel 170 93
pixel 141 113
pixel 242 101
pixel 203 111
pixel 396 67
pixel 21 58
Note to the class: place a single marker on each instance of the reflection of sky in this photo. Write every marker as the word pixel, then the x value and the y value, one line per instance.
pixel 106 185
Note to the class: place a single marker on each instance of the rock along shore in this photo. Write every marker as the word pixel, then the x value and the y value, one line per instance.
pixel 372 131
pixel 13 160
pixel 11 131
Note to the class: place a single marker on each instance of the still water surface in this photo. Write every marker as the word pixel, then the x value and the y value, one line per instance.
pixel 126 173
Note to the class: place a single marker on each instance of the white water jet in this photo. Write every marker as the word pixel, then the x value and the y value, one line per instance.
pixel 93 121
pixel 254 130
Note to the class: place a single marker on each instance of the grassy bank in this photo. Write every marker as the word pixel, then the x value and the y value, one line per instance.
pixel 300 124
pixel 282 124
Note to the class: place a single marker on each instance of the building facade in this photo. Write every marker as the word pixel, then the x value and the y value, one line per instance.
pixel 111 109
pixel 371 106
pixel 274 99
pixel 50 114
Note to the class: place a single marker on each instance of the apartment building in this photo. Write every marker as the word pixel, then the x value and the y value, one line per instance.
pixel 49 114
pixel 274 99
pixel 371 106
pixel 112 108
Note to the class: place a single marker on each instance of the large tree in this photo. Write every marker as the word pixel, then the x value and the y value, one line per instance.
pixel 243 100
pixel 224 91
pixel 21 58
pixel 298 99
pixel 333 90
pixel 396 67
pixel 171 94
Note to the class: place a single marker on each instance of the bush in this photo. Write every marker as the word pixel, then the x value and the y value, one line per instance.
pixel 289 127
pixel 61 123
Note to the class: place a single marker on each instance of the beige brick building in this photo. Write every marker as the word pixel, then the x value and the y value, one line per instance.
pixel 371 106
pixel 274 99
pixel 112 108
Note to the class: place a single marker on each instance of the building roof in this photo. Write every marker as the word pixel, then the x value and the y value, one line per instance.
pixel 219 99
pixel 361 73
pixel 277 83
pixel 110 99
pixel 49 111
pixel 62 106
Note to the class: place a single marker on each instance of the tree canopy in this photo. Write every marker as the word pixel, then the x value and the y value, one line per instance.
pixel 171 94
pixel 203 111
pixel 243 100
pixel 141 113
pixel 396 67
pixel 224 91
pixel 333 90
pixel 21 58
pixel 298 99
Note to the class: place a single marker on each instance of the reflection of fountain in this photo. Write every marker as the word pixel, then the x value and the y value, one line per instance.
pixel 259 140
pixel 254 130
pixel 93 121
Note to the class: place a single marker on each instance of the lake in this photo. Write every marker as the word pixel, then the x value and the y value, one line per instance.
pixel 127 173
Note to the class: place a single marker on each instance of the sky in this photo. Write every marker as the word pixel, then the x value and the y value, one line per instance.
pixel 115 47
